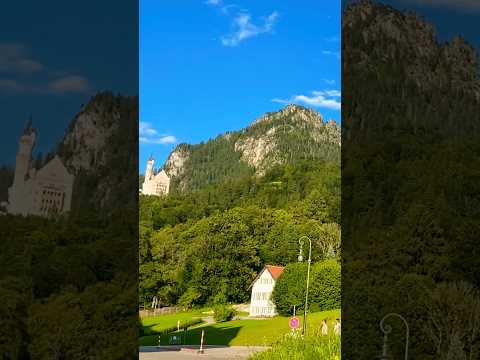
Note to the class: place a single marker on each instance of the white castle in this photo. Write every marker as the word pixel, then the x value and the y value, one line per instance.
pixel 45 191
pixel 155 183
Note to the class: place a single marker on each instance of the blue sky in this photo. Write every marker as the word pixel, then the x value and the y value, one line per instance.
pixel 207 67
pixel 54 56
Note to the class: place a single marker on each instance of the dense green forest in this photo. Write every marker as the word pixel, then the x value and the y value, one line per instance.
pixel 206 246
pixel 69 284
pixel 410 189
pixel 66 287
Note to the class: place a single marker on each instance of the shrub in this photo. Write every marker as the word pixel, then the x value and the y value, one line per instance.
pixel 290 289
pixel 324 288
pixel 190 298
pixel 223 313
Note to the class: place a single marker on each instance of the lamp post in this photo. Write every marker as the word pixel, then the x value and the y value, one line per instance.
pixel 387 329
pixel 300 259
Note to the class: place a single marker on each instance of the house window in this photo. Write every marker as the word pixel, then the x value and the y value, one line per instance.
pixel 265 281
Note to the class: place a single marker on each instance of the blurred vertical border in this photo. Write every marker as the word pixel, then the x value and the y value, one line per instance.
pixel 69 180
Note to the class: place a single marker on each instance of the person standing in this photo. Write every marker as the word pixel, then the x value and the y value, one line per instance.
pixel 324 328
pixel 338 327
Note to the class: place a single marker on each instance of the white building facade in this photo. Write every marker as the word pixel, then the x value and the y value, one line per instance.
pixel 155 184
pixel 43 192
pixel 261 304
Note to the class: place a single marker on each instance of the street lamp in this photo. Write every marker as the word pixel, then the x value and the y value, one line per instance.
pixel 387 329
pixel 300 259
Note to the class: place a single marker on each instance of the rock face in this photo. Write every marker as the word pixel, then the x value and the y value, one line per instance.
pixel 261 145
pixel 174 166
pixel 99 147
pixel 292 134
pixel 399 54
pixel 88 135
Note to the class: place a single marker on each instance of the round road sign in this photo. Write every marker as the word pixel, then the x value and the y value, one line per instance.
pixel 294 322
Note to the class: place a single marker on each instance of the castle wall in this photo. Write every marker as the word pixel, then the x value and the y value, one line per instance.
pixel 44 192
pixel 156 185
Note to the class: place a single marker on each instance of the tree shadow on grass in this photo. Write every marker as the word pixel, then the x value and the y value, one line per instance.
pixel 213 335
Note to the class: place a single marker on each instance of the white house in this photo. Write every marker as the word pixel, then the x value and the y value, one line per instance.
pixel 155 183
pixel 45 191
pixel 262 287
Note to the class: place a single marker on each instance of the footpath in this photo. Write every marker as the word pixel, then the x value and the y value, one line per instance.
pixel 186 352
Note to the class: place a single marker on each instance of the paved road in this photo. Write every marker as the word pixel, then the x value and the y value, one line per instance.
pixel 191 352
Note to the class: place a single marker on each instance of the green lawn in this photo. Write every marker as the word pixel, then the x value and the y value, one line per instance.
pixel 158 323
pixel 246 332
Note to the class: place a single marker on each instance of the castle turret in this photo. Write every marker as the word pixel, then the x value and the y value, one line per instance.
pixel 24 154
pixel 149 170
pixel 155 183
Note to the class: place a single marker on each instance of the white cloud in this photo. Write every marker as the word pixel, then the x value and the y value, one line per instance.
pixel 14 58
pixel 29 76
pixel 244 28
pixel 213 2
pixel 150 135
pixel 329 82
pixel 59 86
pixel 332 53
pixel 334 38
pixel 328 99
pixel 162 140
pixel 225 10
pixel 146 129
pixel 329 93
pixel 69 84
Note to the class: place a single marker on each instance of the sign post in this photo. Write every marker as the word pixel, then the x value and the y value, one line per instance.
pixel 201 343
pixel 294 324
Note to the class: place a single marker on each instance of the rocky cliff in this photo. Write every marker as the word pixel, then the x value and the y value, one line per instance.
pixel 100 148
pixel 399 55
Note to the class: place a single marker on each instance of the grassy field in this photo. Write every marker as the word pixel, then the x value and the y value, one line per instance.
pixel 312 347
pixel 158 323
pixel 242 332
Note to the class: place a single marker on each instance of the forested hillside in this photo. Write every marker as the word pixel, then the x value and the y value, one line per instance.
pixel 290 135
pixel 205 246
pixel 410 214
pixel 66 283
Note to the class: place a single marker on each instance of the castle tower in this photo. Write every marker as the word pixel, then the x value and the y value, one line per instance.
pixel 24 154
pixel 156 184
pixel 149 170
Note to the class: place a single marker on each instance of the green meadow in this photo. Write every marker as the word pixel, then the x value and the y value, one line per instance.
pixel 261 332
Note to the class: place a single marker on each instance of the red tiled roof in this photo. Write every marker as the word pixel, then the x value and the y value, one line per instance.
pixel 275 271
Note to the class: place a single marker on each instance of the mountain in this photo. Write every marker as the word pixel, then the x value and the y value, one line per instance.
pixel 397 55
pixel 290 135
pixel 409 182
pixel 99 148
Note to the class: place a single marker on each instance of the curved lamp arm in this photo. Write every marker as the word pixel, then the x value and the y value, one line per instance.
pixel 387 329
